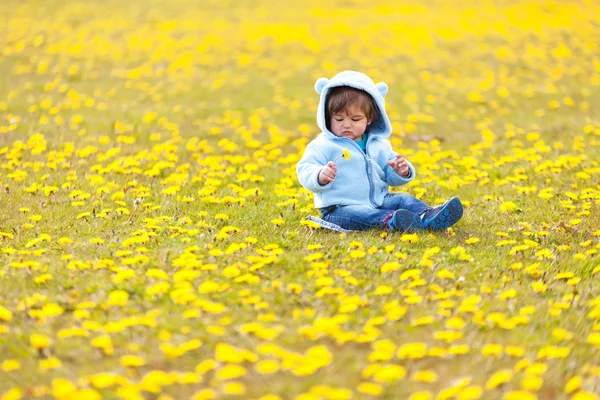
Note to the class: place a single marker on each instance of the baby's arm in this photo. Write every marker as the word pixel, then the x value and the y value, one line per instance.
pixel 309 168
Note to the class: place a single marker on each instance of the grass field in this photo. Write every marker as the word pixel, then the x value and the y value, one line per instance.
pixel 153 241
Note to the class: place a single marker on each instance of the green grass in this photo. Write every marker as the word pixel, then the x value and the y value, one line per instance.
pixel 236 116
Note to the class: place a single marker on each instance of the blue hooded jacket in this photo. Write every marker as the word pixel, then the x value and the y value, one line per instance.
pixel 365 177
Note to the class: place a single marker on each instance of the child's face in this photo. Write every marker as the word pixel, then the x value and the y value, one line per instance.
pixel 350 123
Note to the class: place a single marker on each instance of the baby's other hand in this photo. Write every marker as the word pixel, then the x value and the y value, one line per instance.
pixel 400 165
pixel 327 174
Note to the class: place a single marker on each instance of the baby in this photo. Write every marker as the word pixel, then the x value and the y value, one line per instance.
pixel 354 192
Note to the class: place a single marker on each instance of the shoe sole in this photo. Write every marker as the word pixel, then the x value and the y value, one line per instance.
pixel 450 214
pixel 407 222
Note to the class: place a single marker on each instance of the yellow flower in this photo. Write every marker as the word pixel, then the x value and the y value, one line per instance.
pixel 12 394
pixel 357 254
pixel 267 366
pixel 390 266
pixel 390 373
pixel 519 395
pixel 508 206
pixel 536 369
pixel 492 349
pixel 10 365
pixel 499 378
pixel 561 334
pixel 234 388
pixel 129 360
pixel 345 154
pixel 425 376
pixel 421 396
pixel 573 384
pixel 515 351
pixel 539 286
pixel 584 396
pixel 118 298
pixel 204 394
pixel 470 393
pixel 50 363
pixel 445 274
pixel 5 314
pixel 231 371
pixel 412 351
pixel 62 387
pixel 103 343
pixel 409 237
pixel 370 388
pixel 38 341
pixel 532 383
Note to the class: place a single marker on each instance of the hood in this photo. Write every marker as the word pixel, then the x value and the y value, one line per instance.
pixel 381 125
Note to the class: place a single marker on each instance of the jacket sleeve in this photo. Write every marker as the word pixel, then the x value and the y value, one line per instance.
pixel 392 178
pixel 309 167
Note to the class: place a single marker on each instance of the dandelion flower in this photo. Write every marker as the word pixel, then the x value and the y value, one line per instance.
pixel 38 341
pixel 345 154
pixel 508 206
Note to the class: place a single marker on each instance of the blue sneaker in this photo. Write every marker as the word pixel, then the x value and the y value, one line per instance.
pixel 405 221
pixel 442 217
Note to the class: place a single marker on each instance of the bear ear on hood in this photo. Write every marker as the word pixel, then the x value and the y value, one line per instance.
pixel 320 84
pixel 382 87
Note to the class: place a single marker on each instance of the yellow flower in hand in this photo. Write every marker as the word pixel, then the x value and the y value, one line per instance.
pixel 345 154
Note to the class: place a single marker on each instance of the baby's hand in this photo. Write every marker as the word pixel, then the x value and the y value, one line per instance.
pixel 400 165
pixel 327 174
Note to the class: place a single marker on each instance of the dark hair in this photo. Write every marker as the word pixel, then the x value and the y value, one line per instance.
pixel 340 98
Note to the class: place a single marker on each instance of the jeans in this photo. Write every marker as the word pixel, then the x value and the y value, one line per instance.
pixel 360 217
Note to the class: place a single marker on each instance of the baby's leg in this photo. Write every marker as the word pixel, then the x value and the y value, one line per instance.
pixel 357 217
pixel 404 201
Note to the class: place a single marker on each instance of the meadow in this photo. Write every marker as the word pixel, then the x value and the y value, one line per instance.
pixel 153 240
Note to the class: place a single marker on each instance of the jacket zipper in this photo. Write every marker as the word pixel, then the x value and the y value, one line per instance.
pixel 369 169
